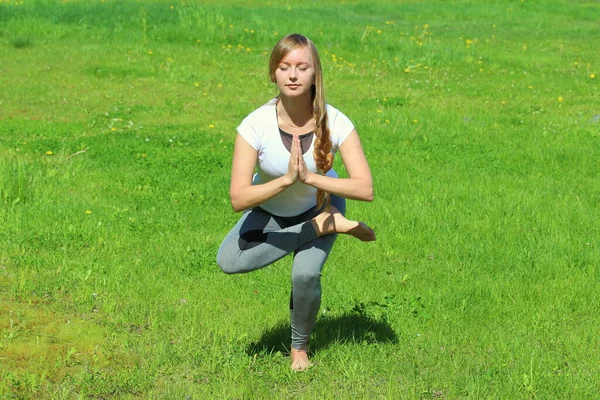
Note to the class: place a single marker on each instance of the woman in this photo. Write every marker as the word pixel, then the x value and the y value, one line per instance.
pixel 294 203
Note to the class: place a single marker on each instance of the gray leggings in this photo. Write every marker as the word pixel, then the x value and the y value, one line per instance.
pixel 260 238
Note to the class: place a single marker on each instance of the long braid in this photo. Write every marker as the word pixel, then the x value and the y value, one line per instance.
pixel 322 153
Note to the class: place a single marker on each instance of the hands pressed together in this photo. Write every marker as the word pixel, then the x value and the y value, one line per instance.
pixel 297 169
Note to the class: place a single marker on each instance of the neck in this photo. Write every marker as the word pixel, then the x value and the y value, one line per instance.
pixel 298 109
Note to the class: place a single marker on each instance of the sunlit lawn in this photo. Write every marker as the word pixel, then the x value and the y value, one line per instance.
pixel 481 123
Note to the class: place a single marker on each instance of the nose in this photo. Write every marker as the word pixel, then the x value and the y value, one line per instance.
pixel 293 76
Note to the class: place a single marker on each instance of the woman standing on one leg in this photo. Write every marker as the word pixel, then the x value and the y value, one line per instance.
pixel 291 142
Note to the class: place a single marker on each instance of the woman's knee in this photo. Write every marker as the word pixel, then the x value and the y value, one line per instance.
pixel 226 262
pixel 306 277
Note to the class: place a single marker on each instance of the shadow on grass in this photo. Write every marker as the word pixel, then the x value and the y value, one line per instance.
pixel 348 328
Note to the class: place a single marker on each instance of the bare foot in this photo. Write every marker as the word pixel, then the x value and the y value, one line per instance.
pixel 334 222
pixel 300 361
pixel 362 232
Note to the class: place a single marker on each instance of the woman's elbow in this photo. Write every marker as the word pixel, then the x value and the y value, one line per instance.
pixel 369 195
pixel 236 203
pixel 368 191
pixel 365 194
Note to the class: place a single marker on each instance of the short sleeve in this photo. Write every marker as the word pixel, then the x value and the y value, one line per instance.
pixel 247 130
pixel 340 127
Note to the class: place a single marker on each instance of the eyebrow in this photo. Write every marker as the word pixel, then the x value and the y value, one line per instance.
pixel 300 63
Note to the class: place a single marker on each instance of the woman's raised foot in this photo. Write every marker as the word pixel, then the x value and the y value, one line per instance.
pixel 333 221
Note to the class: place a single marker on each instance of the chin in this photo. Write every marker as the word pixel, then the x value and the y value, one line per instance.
pixel 296 93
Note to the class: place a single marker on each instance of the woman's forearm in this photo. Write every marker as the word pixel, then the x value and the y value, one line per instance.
pixel 350 188
pixel 249 196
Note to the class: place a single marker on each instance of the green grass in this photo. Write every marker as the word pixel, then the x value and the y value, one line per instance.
pixel 481 123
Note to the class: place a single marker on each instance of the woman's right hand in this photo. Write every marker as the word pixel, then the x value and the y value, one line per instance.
pixel 293 164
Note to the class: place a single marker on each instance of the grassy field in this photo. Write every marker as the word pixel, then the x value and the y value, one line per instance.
pixel 481 123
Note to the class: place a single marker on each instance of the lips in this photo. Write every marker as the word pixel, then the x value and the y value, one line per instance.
pixel 293 86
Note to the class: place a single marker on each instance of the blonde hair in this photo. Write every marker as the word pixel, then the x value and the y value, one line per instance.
pixel 322 148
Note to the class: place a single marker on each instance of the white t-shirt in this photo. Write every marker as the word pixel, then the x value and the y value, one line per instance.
pixel 261 131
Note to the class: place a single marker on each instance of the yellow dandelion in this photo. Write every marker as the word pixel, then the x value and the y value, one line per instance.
pixel 379 111
pixel 384 99
pixel 24 143
pixel 219 85
pixel 196 84
pixel 468 41
pixel 88 212
pixel 426 26
pixel 49 153
pixel 575 63
pixel 415 121
pixel 560 99
pixel 593 76
pixel 172 7
pixel 113 129
pixel 503 102
pixel 231 26
pixel 407 70
pixel 211 126
pixel 150 52
pixel 529 87
pixel 379 31
pixel 480 69
pixel 524 47
pixel 248 50
pixel 387 121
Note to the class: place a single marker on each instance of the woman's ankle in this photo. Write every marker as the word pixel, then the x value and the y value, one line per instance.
pixel 323 224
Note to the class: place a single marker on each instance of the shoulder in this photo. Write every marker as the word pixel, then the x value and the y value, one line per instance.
pixel 338 121
pixel 336 118
pixel 332 111
pixel 262 112
pixel 252 128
